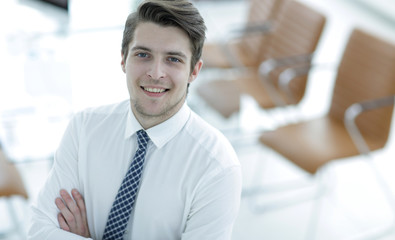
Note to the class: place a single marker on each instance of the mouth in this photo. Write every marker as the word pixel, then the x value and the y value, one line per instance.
pixel 154 90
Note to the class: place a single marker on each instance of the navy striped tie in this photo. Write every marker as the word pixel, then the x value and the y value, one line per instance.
pixel 124 201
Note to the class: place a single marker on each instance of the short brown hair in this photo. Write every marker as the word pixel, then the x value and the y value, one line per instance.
pixel 176 13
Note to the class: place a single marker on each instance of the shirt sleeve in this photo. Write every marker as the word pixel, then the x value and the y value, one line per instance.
pixel 215 207
pixel 63 175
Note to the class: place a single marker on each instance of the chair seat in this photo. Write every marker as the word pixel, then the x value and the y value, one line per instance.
pixel 10 180
pixel 222 95
pixel 311 144
pixel 250 85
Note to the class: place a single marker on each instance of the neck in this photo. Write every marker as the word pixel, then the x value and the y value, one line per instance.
pixel 148 121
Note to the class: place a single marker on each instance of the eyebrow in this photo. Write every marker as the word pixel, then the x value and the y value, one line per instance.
pixel 141 48
pixel 180 54
pixel 173 53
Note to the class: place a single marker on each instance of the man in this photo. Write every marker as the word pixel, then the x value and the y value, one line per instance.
pixel 188 182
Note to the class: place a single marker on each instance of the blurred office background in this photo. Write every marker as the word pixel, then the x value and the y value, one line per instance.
pixel 59 57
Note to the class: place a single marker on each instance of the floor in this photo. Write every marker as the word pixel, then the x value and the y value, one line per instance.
pixel 53 59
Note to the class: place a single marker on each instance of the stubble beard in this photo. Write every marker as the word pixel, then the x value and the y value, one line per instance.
pixel 168 111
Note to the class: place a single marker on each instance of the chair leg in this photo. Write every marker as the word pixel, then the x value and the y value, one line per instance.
pixel 16 226
pixel 14 219
pixel 314 219
pixel 369 235
pixel 296 199
pixel 375 234
pixel 380 233
pixel 289 202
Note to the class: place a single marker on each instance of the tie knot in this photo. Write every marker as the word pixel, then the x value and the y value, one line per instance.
pixel 142 139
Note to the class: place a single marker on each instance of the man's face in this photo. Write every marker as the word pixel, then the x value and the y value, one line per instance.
pixel 158 71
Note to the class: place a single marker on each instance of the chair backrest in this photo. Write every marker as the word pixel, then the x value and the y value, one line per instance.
pixel 298 32
pixel 10 180
pixel 366 71
pixel 261 12
pixel 264 10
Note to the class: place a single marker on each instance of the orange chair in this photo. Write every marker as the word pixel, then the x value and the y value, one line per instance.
pixel 366 72
pixel 360 115
pixel 243 50
pixel 292 43
pixel 11 184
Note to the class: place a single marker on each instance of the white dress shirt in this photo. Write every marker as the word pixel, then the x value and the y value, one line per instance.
pixel 190 188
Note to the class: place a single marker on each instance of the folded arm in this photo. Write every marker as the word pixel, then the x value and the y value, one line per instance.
pixel 72 215
pixel 63 175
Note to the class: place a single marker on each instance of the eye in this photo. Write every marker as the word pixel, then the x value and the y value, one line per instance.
pixel 142 55
pixel 173 59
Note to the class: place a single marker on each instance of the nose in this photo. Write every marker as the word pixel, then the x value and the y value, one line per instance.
pixel 156 70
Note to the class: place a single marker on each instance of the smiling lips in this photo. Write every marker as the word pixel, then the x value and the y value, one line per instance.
pixel 155 90
pixel 151 91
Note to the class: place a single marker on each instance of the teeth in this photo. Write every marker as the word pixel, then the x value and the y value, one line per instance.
pixel 154 90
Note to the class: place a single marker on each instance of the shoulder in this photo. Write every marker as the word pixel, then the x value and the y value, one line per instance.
pixel 103 112
pixel 211 142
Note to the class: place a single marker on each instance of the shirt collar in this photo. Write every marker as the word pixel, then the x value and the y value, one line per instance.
pixel 163 132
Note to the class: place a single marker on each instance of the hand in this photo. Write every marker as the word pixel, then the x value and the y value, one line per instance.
pixel 72 216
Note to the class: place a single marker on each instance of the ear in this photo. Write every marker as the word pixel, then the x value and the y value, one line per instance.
pixel 123 63
pixel 195 71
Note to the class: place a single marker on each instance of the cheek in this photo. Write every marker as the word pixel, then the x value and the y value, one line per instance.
pixel 180 77
pixel 182 82
pixel 133 71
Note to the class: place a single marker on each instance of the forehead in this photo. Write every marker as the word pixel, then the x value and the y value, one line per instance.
pixel 161 38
